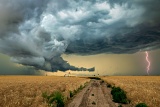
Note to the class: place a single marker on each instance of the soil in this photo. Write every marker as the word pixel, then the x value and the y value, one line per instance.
pixel 95 94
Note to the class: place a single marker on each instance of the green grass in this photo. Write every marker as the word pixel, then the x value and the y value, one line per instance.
pixel 80 88
pixel 55 99
pixel 141 105
pixel 72 93
pixel 119 96
pixel 109 86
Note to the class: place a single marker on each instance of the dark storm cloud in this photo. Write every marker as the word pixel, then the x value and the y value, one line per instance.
pixel 128 27
pixel 59 64
pixel 146 39
pixel 14 12
pixel 37 32
pixel 9 68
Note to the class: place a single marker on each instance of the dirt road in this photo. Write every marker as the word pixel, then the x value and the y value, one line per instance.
pixel 93 95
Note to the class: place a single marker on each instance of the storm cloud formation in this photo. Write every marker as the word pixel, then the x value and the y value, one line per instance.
pixel 38 32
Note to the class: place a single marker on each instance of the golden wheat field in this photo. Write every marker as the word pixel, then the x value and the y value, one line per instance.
pixel 139 88
pixel 26 91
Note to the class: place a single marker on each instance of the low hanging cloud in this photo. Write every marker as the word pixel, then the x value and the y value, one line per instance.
pixel 38 32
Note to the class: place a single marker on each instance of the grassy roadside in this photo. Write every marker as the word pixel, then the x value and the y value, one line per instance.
pixel 58 99
pixel 120 96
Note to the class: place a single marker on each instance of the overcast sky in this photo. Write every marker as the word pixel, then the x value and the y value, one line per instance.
pixel 37 32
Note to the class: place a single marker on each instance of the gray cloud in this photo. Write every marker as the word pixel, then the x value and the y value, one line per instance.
pixel 37 32
pixel 13 13
pixel 59 64
pixel 9 68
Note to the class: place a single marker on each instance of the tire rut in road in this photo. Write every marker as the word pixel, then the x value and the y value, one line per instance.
pixel 94 95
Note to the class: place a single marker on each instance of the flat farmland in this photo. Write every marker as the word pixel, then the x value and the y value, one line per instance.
pixel 139 89
pixel 26 91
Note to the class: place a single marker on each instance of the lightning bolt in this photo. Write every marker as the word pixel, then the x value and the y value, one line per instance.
pixel 148 66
